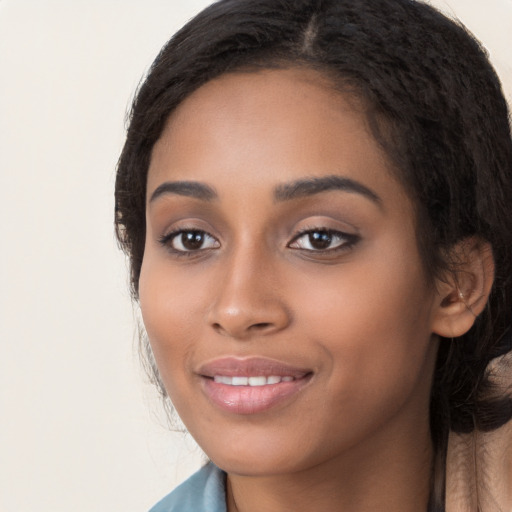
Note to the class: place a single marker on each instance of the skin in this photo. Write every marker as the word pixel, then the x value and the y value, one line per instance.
pixel 361 315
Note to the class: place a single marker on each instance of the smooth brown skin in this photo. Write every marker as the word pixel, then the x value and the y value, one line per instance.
pixel 364 317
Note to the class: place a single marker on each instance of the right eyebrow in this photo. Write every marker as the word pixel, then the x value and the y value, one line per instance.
pixel 185 188
pixel 310 186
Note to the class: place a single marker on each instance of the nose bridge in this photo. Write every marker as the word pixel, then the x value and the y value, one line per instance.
pixel 249 301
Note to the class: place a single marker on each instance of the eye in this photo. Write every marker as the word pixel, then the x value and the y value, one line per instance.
pixel 189 240
pixel 322 240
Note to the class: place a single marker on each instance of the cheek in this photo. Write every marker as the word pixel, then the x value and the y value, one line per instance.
pixel 373 322
pixel 385 296
pixel 169 305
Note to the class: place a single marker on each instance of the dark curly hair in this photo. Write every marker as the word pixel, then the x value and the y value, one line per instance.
pixel 434 103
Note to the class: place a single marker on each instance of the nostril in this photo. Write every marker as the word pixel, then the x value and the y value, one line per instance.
pixel 260 326
pixel 256 327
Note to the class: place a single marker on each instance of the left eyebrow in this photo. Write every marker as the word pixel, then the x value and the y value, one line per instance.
pixel 185 188
pixel 311 186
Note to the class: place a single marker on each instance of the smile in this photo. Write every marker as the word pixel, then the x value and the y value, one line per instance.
pixel 244 386
pixel 252 381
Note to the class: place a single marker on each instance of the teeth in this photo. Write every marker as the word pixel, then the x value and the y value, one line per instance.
pixel 257 381
pixel 251 381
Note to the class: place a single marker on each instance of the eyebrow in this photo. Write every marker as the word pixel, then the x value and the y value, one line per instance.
pixel 185 188
pixel 311 186
pixel 285 192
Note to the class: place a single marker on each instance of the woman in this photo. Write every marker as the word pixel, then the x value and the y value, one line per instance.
pixel 316 200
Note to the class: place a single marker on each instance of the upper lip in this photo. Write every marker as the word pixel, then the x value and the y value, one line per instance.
pixel 250 367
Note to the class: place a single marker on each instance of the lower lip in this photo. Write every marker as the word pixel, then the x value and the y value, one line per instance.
pixel 252 399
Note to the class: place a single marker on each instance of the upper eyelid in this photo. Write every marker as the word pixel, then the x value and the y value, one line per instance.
pixel 188 225
pixel 171 219
pixel 326 222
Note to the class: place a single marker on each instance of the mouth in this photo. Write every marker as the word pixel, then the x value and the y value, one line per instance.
pixel 252 381
pixel 252 385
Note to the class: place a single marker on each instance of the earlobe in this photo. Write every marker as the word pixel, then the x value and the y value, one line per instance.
pixel 463 294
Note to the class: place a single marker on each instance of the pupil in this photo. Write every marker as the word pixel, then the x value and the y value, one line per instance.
pixel 192 240
pixel 320 240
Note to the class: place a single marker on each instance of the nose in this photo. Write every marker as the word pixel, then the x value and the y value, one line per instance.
pixel 249 302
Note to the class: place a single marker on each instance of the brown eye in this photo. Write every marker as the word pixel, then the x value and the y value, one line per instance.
pixel 320 240
pixel 323 240
pixel 190 241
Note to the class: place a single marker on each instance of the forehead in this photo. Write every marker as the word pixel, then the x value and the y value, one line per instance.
pixel 268 127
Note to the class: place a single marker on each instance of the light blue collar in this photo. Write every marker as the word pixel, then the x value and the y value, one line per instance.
pixel 204 491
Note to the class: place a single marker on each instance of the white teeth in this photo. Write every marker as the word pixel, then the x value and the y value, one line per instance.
pixel 257 381
pixel 251 381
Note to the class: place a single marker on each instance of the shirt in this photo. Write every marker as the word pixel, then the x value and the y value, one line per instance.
pixel 204 491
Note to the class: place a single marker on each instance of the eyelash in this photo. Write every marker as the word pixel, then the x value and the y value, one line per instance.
pixel 168 239
pixel 348 240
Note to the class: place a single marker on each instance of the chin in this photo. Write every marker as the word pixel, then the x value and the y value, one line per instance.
pixel 256 457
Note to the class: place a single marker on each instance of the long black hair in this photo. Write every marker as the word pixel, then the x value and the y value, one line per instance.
pixel 434 103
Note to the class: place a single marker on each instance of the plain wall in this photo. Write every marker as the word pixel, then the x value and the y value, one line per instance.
pixel 80 429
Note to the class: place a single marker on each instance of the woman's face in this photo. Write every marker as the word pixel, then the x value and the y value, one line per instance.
pixel 281 287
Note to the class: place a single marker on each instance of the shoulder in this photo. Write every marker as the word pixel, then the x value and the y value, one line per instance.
pixel 204 491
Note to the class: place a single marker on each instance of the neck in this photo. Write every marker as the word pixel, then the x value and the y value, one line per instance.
pixel 391 472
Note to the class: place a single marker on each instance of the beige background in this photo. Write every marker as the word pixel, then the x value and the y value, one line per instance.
pixel 79 428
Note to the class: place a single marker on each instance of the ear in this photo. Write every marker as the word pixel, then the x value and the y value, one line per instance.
pixel 463 294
